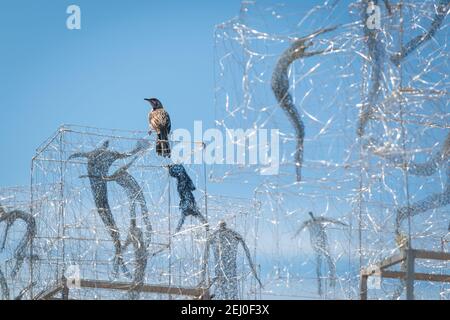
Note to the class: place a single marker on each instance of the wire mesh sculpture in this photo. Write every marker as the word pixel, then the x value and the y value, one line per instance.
pixel 319 242
pixel 426 169
pixel 280 88
pixel 135 236
pixel 4 286
pixel 133 191
pixel 21 251
pixel 224 243
pixel 369 189
pixel 376 57
pixel 439 16
pixel 99 162
pixel 185 187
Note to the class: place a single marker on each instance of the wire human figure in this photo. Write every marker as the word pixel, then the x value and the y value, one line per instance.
pixel 133 191
pixel 224 243
pixel 21 251
pixel 135 235
pixel 319 243
pixel 185 187
pixel 99 162
pixel 280 88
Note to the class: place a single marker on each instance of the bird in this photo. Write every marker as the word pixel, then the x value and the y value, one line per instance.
pixel 159 121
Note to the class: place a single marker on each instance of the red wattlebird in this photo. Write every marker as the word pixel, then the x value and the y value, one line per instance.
pixel 159 121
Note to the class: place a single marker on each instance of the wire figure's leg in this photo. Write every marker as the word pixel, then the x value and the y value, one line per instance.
pixel 4 286
pixel 331 268
pixel 180 223
pixel 232 289
pixel 202 219
pixel 319 272
pixel 24 291
pixel 148 225
pixel 280 87
pixel 141 255
pixel 5 236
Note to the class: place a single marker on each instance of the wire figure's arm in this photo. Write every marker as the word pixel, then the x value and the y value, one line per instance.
pixel 280 88
pixel 420 169
pixel 249 257
pixel 141 145
pixel 93 177
pixel 119 172
pixel 301 228
pixel 5 236
pixel 80 155
pixel 330 220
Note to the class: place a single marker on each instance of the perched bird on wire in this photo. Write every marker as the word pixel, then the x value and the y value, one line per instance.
pixel 159 121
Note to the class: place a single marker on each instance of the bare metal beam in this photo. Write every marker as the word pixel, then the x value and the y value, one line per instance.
pixel 49 294
pixel 363 286
pixel 432 255
pixel 386 263
pixel 410 276
pixel 200 293
pixel 417 276
pixel 410 255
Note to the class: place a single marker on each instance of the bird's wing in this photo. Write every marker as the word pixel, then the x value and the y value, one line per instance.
pixel 160 121
pixel 169 123
pixel 150 120
pixel 155 121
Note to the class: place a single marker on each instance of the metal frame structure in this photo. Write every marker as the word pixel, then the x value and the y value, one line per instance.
pixel 56 179
pixel 407 256
pixel 63 288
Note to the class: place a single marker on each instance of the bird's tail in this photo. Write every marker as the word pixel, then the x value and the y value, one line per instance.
pixel 163 145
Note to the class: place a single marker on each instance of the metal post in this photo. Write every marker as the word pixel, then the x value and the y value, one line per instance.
pixel 410 257
pixel 65 289
pixel 363 286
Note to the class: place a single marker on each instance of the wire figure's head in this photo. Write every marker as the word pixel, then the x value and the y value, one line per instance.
pixel 299 47
pixel 177 170
pixel 156 104
pixel 104 144
pixel 311 214
pixel 222 225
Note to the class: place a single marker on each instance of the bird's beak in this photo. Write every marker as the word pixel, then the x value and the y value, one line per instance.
pixel 147 99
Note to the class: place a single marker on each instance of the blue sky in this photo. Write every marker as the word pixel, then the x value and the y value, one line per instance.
pixel 99 75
